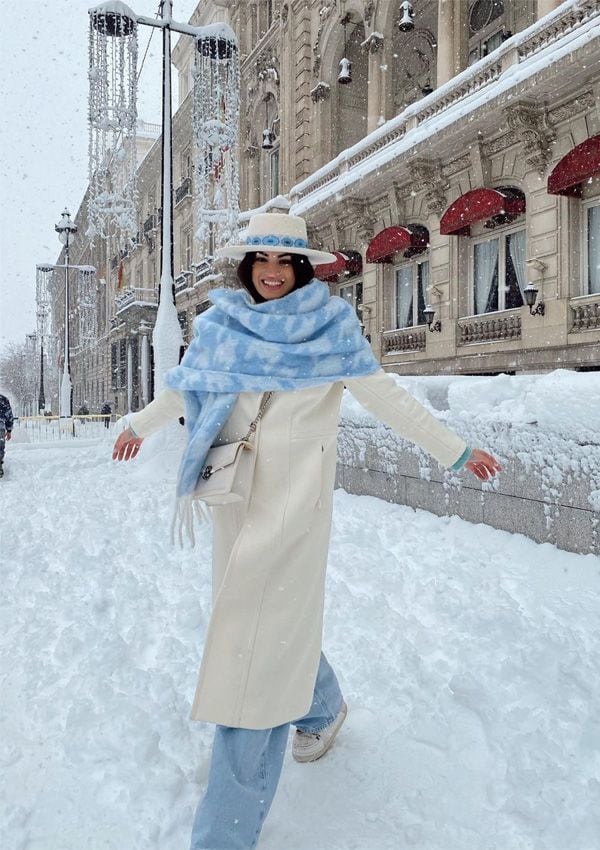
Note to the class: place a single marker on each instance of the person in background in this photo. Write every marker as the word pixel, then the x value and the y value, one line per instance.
pixel 279 355
pixel 106 412
pixel 6 426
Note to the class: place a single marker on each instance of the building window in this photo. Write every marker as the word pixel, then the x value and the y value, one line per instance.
pixel 487 28
pixel 185 163
pixel 499 273
pixel 353 294
pixel 182 318
pixel 122 371
pixel 591 252
pixel 412 280
pixel 114 367
pixel 186 249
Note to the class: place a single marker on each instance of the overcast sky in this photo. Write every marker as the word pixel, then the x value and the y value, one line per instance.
pixel 44 136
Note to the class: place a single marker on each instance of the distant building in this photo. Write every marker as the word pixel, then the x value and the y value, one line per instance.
pixel 457 167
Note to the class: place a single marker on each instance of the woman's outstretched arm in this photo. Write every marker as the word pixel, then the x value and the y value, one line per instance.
pixel 168 405
pixel 380 395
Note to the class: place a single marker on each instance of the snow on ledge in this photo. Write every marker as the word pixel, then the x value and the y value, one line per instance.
pixel 548 422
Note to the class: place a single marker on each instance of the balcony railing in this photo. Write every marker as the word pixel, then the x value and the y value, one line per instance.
pixel 183 191
pixel 183 281
pixel 586 317
pixel 133 295
pixel 456 94
pixel 150 224
pixel 477 329
pixel 405 340
pixel 202 269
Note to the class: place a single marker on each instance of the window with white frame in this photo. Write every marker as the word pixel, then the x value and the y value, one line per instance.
pixel 352 292
pixel 186 163
pixel 186 249
pixel 412 280
pixel 499 274
pixel 591 248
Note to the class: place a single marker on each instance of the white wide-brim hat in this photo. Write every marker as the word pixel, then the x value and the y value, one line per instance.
pixel 276 232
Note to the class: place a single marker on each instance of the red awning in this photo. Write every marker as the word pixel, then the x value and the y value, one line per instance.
pixel 393 239
pixel 480 205
pixel 350 262
pixel 578 165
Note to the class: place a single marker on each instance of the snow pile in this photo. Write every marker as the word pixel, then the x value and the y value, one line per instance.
pixel 468 658
pixel 548 422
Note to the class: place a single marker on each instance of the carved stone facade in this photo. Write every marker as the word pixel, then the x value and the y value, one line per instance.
pixel 393 151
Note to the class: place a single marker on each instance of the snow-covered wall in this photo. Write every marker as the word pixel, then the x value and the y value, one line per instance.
pixel 543 428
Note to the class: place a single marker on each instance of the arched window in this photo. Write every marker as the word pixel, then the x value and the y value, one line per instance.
pixel 493 220
pixel 488 27
pixel 411 280
pixel 498 271
pixel 577 175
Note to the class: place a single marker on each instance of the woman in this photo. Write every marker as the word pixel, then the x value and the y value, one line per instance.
pixel 262 667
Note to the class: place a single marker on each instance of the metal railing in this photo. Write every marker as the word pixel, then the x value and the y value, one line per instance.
pixel 405 339
pixel 183 191
pixel 47 429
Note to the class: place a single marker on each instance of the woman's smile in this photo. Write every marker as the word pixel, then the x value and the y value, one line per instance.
pixel 273 275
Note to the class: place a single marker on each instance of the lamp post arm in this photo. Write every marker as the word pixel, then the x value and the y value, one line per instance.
pixel 219 30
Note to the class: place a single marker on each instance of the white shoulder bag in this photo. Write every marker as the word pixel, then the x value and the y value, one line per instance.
pixel 226 475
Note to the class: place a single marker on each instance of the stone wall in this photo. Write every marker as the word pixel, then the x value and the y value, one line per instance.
pixel 523 500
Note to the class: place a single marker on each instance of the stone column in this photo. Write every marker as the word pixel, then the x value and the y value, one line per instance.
pixel 453 39
pixel 544 7
pixel 302 85
pixel 376 101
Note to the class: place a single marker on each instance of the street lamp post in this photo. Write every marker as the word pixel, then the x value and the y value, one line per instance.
pixel 65 229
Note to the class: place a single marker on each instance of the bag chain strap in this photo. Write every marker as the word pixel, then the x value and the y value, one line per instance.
pixel 266 399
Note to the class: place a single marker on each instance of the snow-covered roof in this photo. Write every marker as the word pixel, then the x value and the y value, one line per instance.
pixel 543 44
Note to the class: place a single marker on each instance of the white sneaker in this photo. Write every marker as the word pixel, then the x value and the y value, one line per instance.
pixel 310 746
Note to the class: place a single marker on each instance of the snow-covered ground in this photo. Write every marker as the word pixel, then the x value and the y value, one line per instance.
pixel 470 660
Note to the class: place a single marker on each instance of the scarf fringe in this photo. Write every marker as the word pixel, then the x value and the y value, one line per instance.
pixel 188 509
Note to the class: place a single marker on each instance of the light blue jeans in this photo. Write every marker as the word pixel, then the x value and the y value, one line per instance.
pixel 245 769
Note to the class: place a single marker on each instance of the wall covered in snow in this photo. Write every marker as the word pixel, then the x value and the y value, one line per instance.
pixel 543 428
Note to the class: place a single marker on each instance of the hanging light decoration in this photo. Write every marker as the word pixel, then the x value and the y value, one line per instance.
pixel 216 111
pixel 113 48
pixel 345 75
pixel 268 134
pixel 407 13
pixel 87 306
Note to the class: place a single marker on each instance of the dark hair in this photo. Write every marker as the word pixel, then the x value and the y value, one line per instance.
pixel 303 271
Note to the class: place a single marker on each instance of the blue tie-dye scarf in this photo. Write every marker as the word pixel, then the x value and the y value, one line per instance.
pixel 302 340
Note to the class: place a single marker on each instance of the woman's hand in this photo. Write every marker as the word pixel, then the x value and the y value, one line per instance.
pixel 483 465
pixel 126 446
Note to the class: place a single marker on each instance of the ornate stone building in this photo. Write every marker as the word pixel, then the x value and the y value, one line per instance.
pixel 449 152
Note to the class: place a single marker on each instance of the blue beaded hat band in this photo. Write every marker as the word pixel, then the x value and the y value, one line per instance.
pixel 276 232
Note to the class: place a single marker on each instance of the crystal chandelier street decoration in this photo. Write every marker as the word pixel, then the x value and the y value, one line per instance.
pixel 216 111
pixel 113 49
pixel 87 307
pixel 112 140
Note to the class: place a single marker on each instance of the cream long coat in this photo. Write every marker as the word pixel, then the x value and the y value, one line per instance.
pixel 262 649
